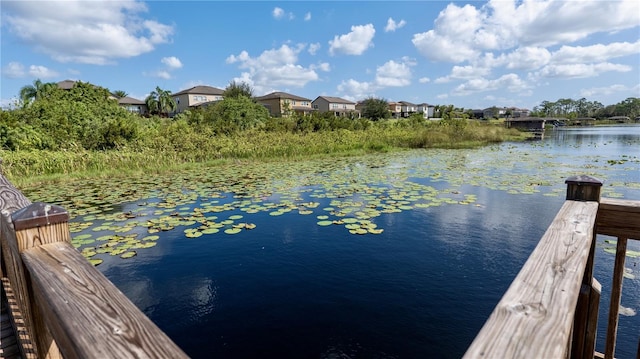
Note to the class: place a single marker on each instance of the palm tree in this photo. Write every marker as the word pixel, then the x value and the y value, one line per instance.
pixel 36 91
pixel 160 102
pixel 120 94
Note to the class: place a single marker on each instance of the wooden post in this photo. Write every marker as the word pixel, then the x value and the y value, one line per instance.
pixel 36 225
pixel 585 188
pixel 616 294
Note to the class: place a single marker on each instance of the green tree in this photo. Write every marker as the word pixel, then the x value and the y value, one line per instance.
pixel 375 109
pixel 235 114
pixel 237 89
pixel 120 94
pixel 36 91
pixel 160 102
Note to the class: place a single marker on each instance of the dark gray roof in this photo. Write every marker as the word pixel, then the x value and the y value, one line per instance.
pixel 200 90
pixel 281 95
pixel 335 100
pixel 407 103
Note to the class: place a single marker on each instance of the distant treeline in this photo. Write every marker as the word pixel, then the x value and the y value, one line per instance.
pixel 569 108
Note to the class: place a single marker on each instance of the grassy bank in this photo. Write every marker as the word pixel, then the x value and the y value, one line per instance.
pixel 177 149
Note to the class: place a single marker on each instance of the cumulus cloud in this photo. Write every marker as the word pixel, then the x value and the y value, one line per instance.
pixel 93 32
pixel 41 72
pixel 393 26
pixel 275 68
pixel 172 62
pixel 279 14
pixel 580 70
pixel 313 48
pixel 462 33
pixel 394 74
pixel 510 82
pixel 14 70
pixel 307 16
pixel 595 53
pixel 356 90
pixel 17 70
pixel 424 80
pixel 354 43
pixel 609 90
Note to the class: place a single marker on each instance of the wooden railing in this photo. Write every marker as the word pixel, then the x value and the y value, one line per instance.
pixel 63 306
pixel 551 308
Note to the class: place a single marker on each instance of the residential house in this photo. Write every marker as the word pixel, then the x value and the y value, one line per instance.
pixel 494 112
pixel 426 110
pixel 196 96
pixel 407 108
pixel 282 104
pixel 395 108
pixel 133 105
pixel 519 112
pixel 66 84
pixel 338 106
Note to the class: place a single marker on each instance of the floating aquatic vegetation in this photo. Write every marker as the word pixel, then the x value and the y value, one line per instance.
pixel 338 191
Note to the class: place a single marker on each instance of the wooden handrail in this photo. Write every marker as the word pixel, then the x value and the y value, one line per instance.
pixel 555 293
pixel 534 318
pixel 70 309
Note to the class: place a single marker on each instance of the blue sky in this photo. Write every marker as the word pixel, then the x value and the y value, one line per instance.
pixel 471 54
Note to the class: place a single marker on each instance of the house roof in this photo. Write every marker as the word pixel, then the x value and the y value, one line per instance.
pixel 334 100
pixel 281 95
pixel 425 104
pixel 130 101
pixel 200 90
pixel 66 84
pixel 407 103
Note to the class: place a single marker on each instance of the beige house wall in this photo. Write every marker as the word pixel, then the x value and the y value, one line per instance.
pixel 185 100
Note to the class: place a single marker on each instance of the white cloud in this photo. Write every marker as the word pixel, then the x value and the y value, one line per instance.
pixel 307 16
pixel 356 90
pixel 172 62
pixel 394 74
pixel 424 80
pixel 595 53
pixel 163 74
pixel 463 33
pixel 275 68
pixel 509 82
pixel 580 70
pixel 354 43
pixel 13 70
pixel 609 90
pixel 313 48
pixel 323 66
pixel 279 13
pixel 93 32
pixel 41 72
pixel 393 26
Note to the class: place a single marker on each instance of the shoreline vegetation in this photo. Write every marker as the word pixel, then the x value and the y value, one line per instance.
pixel 185 147
pixel 54 134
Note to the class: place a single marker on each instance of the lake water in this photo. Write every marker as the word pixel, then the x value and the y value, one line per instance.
pixel 457 226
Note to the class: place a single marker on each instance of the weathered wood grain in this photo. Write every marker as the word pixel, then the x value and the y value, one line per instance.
pixel 10 198
pixel 25 345
pixel 619 218
pixel 88 316
pixel 535 316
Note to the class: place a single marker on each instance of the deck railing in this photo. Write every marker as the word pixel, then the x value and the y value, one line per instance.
pixel 551 308
pixel 62 305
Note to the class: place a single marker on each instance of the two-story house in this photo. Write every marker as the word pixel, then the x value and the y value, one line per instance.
pixel 196 96
pixel 396 109
pixel 407 108
pixel 282 104
pixel 338 106
pixel 426 110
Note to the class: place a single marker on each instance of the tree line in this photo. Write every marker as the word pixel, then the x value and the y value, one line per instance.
pixel 569 108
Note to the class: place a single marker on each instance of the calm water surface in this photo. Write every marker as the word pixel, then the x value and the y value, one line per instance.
pixel 423 288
